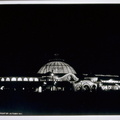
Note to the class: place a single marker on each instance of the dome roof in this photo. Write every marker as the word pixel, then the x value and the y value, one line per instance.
pixel 57 67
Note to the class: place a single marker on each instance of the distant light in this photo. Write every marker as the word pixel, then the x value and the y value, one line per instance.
pixel 2 79
pixel 2 88
pixel 116 87
pixel 36 79
pixel 44 83
pixel 40 89
pixel 85 74
pixel 106 75
pixel 7 79
pixel 52 74
pixel 14 89
pixel 25 79
pixel 110 81
pixel 55 83
pixel 13 79
pixel 23 88
pixel 30 79
pixel 19 79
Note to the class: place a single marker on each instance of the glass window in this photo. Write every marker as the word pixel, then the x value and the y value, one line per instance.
pixel 13 79
pixel 19 79
pixel 25 79
pixel 36 79
pixel 30 79
pixel 2 79
pixel 7 79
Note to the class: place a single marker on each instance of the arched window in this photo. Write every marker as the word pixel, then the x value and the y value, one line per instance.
pixel 7 79
pixel 25 79
pixel 36 79
pixel 19 79
pixel 13 79
pixel 2 79
pixel 30 79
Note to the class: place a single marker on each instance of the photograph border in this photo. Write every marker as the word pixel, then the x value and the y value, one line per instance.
pixel 80 117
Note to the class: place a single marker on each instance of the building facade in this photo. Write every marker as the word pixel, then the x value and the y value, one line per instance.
pixel 57 75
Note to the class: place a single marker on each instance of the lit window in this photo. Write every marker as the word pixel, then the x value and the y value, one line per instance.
pixel 30 79
pixel 25 79
pixel 7 79
pixel 19 79
pixel 2 79
pixel 36 79
pixel 13 79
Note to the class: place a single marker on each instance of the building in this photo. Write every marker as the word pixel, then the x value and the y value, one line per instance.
pixel 104 82
pixel 55 75
pixel 58 76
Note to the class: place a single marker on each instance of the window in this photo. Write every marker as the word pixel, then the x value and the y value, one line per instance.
pixel 7 79
pixel 25 79
pixel 30 79
pixel 13 79
pixel 2 79
pixel 19 79
pixel 36 79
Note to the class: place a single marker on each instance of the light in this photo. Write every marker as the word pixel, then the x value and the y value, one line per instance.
pixel 30 79
pixel 14 89
pixel 106 75
pixel 94 79
pixel 13 79
pixel 25 79
pixel 2 79
pixel 19 79
pixel 40 89
pixel 55 83
pixel 44 83
pixel 36 79
pixel 52 74
pixel 2 88
pixel 7 79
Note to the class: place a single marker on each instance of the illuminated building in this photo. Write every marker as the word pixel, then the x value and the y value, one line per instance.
pixel 56 75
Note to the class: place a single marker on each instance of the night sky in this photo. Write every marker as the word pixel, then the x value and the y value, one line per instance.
pixel 86 36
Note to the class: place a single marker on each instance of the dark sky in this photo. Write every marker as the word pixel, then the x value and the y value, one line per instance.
pixel 86 36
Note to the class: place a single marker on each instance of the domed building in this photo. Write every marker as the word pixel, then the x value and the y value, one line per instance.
pixel 57 67
pixel 57 75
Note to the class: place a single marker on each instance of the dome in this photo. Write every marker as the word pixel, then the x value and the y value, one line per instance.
pixel 57 67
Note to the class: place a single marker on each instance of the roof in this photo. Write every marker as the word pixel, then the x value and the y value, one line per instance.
pixel 58 67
